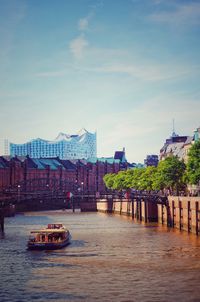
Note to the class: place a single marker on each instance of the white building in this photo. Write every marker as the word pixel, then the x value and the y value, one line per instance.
pixel 77 146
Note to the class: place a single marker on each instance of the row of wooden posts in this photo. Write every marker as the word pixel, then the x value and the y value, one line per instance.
pixel 179 212
pixel 182 213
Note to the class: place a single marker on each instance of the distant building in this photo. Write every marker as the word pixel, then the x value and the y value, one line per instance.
pixel 197 134
pixel 78 146
pixel 118 158
pixel 120 155
pixel 189 143
pixel 86 175
pixel 135 165
pixel 151 160
pixel 177 146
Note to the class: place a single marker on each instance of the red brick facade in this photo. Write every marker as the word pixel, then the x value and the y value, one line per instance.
pixel 85 175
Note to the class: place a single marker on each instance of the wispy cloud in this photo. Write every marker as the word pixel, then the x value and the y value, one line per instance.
pixel 83 24
pixel 78 46
pixel 120 62
pixel 188 14
pixel 149 71
pixel 48 74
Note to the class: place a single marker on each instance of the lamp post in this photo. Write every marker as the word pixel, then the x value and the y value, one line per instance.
pixel 18 192
pixel 47 193
pixel 82 187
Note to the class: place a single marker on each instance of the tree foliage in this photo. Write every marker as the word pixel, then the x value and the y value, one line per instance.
pixel 168 175
pixel 109 180
pixel 193 165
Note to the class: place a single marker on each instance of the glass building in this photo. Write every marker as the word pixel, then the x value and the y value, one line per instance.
pixel 78 146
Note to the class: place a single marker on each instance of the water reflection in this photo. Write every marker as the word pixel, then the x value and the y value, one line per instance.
pixel 111 258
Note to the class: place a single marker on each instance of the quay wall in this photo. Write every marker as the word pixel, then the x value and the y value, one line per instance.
pixel 139 210
pixel 180 212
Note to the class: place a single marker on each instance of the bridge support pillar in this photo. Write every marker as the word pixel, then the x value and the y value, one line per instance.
pixel 1 220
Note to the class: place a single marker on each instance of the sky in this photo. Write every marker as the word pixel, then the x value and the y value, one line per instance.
pixel 123 68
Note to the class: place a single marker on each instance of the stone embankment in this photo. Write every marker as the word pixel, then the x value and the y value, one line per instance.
pixel 179 212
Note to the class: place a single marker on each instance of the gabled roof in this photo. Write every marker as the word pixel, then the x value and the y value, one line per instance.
pixel 43 163
pixel 67 164
pixel 3 162
pixel 17 159
pixel 30 163
pixel 109 160
pixel 80 162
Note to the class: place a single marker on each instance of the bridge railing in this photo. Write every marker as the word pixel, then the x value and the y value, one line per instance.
pixel 139 196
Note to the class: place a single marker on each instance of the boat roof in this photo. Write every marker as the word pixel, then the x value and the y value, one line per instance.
pixel 50 231
pixel 53 223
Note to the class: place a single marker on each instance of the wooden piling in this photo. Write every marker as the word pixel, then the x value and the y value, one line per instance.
pixel 180 215
pixel 189 217
pixel 180 212
pixel 2 220
pixel 197 217
pixel 173 214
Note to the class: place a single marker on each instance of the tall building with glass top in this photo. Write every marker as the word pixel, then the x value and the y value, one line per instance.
pixel 65 146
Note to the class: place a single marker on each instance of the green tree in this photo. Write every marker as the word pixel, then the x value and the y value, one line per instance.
pixel 170 175
pixel 129 175
pixel 109 180
pixel 137 178
pixel 147 178
pixel 193 164
pixel 119 181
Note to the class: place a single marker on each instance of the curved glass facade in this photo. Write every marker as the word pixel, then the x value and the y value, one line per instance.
pixel 81 145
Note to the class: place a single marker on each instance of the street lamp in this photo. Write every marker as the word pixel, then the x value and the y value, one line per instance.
pixel 82 186
pixel 18 192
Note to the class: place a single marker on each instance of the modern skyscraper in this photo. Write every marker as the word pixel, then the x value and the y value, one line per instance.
pixel 77 146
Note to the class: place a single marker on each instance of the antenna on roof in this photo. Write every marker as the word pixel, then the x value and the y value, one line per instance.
pixel 173 130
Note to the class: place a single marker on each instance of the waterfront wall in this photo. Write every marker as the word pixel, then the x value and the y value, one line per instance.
pixel 140 210
pixel 180 212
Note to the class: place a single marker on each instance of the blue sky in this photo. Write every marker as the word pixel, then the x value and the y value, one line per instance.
pixel 125 68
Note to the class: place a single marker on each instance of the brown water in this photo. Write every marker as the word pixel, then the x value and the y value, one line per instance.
pixel 110 258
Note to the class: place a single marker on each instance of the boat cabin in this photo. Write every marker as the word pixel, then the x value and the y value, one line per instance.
pixel 54 226
pixel 54 236
pixel 48 235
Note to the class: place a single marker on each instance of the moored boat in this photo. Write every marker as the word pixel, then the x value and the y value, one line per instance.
pixel 55 236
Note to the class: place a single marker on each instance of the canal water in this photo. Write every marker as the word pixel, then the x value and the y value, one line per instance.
pixel 110 258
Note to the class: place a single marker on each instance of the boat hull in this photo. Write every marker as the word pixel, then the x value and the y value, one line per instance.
pixel 48 245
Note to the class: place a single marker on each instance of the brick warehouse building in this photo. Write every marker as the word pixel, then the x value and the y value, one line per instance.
pixel 85 176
